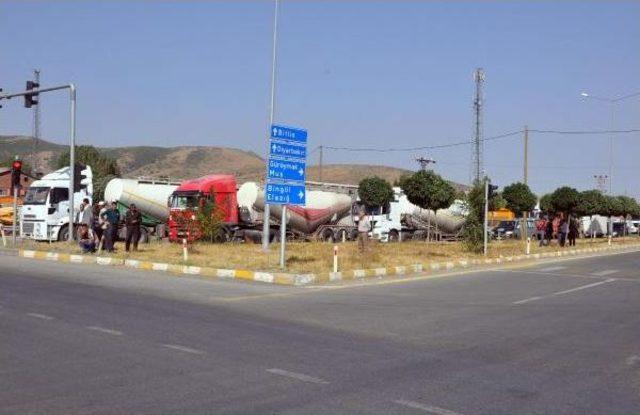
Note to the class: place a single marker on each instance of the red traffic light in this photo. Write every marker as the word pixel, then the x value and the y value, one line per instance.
pixel 17 165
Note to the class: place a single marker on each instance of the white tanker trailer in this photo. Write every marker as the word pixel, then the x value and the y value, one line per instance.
pixel 402 220
pixel 150 197
pixel 326 216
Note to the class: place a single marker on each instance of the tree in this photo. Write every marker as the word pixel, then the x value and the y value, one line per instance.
pixel 590 202
pixel 497 202
pixel 428 190
pixel 473 231
pixel 519 198
pixel 104 168
pixel 564 199
pixel 375 192
pixel 612 206
pixel 629 206
pixel 210 222
pixel 546 205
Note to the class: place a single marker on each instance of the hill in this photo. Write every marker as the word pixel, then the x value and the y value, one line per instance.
pixel 190 161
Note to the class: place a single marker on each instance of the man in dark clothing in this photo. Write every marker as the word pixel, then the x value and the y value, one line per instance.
pixel 112 216
pixel 132 219
pixel 573 230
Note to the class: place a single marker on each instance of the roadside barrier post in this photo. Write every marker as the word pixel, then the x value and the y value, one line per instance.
pixel 528 245
pixel 185 252
pixel 609 240
pixel 335 258
pixel 4 238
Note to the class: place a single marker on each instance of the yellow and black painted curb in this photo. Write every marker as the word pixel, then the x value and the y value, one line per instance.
pixel 308 279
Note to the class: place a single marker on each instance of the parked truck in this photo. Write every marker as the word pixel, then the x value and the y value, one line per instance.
pixel 151 197
pixel 401 220
pixel 327 214
pixel 45 210
pixel 330 213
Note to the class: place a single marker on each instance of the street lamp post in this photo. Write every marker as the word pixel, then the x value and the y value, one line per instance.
pixel 612 108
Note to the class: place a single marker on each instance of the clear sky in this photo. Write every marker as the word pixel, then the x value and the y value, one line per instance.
pixel 376 74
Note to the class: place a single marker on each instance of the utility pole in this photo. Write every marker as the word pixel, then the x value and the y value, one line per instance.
pixel 320 164
pixel 36 125
pixel 601 182
pixel 267 213
pixel 477 141
pixel 526 155
pixel 424 162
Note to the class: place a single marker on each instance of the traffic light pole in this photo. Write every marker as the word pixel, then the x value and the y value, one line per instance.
pixel 72 140
pixel 14 229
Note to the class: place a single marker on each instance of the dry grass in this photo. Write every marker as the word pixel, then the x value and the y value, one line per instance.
pixel 314 257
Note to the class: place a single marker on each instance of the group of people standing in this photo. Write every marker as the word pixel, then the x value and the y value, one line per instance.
pixel 563 229
pixel 98 226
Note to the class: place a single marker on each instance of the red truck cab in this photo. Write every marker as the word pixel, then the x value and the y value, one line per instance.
pixel 192 195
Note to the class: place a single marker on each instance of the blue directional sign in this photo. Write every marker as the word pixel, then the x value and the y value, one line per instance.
pixel 287 170
pixel 288 133
pixel 288 151
pixel 286 194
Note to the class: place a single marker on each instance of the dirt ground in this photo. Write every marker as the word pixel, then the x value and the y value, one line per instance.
pixel 313 257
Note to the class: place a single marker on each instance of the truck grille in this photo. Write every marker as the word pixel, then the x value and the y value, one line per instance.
pixel 27 227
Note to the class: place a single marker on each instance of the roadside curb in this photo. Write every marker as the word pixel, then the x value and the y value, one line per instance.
pixel 307 279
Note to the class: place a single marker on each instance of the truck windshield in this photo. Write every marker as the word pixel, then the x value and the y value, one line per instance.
pixel 184 201
pixel 36 196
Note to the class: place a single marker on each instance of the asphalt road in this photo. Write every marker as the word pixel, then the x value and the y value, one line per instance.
pixel 553 338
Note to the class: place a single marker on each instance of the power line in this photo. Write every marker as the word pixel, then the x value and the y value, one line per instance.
pixel 585 132
pixel 437 146
pixel 468 142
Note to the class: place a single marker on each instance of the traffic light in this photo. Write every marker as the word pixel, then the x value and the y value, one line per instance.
pixel 30 99
pixel 82 178
pixel 492 190
pixel 16 172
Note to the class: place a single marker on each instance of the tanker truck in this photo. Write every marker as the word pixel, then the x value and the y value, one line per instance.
pixel 150 196
pixel 401 220
pixel 327 215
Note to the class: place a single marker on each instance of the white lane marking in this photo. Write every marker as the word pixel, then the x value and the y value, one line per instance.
pixel 40 316
pixel 549 269
pixel 183 348
pixel 582 287
pixel 605 272
pixel 527 300
pixel 427 408
pixel 106 331
pixel 298 376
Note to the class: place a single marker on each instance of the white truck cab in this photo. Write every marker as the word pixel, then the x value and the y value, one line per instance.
pixel 45 211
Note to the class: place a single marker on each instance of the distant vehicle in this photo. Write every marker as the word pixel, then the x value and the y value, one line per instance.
pixel 597 226
pixel 151 197
pixel 634 226
pixel 45 211
pixel 504 229
pixel 531 228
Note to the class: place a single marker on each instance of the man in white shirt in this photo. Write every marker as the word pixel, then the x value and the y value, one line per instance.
pixel 364 226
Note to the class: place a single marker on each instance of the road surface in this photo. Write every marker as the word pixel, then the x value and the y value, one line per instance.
pixel 553 338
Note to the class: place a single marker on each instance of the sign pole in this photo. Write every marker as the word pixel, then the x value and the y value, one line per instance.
pixel 265 219
pixel 283 236
pixel 15 215
pixel 486 214
pixel 72 160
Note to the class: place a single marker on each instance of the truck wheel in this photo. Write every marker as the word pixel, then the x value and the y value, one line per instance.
pixel 343 235
pixel 394 236
pixel 63 233
pixel 327 235
pixel 144 236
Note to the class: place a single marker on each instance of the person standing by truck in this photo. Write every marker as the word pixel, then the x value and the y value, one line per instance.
pixel 132 220
pixel 111 218
pixel 364 226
